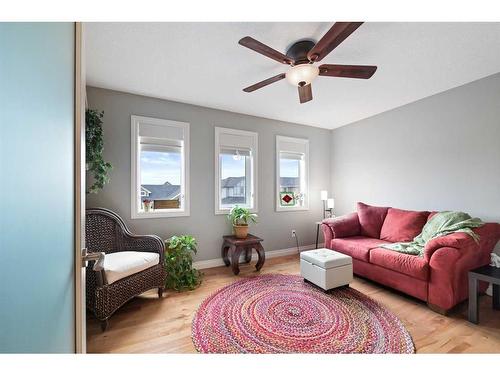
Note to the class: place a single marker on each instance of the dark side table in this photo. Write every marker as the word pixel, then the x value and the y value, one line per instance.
pixel 489 274
pixel 232 247
pixel 318 224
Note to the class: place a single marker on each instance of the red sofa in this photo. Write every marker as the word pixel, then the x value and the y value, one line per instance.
pixel 439 277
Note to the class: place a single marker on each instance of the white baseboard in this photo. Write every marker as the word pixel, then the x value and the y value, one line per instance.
pixel 211 263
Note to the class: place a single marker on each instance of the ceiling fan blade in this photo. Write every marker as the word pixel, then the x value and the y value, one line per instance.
pixel 305 93
pixel 265 82
pixel 261 48
pixel 347 71
pixel 336 35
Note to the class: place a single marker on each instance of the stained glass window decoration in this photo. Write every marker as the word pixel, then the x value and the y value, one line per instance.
pixel 287 198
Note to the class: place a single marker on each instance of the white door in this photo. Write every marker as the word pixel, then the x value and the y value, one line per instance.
pixel 37 194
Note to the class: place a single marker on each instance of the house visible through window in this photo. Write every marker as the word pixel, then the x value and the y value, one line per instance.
pixel 292 156
pixel 159 176
pixel 161 173
pixel 235 178
pixel 290 172
pixel 235 169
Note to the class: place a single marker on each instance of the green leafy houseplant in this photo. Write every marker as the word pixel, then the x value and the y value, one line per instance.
pixel 240 217
pixel 179 263
pixel 93 151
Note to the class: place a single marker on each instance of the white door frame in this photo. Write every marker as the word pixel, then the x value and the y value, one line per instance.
pixel 80 312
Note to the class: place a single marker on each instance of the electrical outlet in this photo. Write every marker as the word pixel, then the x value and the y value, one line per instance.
pixel 294 233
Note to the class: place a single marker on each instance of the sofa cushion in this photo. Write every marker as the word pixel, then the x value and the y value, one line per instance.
pixel 125 263
pixel 357 247
pixel 410 265
pixel 402 226
pixel 371 219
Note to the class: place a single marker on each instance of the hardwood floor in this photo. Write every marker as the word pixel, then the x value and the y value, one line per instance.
pixel 148 325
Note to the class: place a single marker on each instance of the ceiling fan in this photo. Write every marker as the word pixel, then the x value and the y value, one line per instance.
pixel 303 54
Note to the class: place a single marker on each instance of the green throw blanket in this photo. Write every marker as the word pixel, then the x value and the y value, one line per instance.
pixel 440 224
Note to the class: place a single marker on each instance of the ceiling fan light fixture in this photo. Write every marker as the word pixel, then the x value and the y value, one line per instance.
pixel 237 156
pixel 302 73
pixel 303 54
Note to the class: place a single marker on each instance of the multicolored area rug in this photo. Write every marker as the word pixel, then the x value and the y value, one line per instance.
pixel 284 314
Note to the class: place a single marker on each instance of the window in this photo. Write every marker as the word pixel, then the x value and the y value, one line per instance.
pixel 235 169
pixel 160 168
pixel 292 174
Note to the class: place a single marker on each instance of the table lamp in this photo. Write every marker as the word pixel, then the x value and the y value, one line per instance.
pixel 324 198
pixel 324 195
pixel 330 204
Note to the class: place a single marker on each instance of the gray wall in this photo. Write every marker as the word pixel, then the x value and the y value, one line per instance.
pixel 442 152
pixel 274 227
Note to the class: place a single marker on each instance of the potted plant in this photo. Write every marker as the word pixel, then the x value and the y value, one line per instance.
pixel 179 263
pixel 146 204
pixel 240 218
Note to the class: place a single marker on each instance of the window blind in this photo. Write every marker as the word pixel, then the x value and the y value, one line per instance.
pixel 161 148
pixel 291 156
pixel 235 151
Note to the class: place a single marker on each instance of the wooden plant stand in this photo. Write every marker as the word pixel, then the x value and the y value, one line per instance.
pixel 232 247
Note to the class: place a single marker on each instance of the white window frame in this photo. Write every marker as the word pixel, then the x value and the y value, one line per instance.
pixel 305 144
pixel 252 168
pixel 135 169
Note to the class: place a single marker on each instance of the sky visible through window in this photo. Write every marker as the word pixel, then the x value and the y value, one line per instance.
pixel 160 167
pixel 231 167
pixel 236 168
pixel 289 168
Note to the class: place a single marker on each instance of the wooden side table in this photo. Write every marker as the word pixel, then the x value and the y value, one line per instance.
pixel 318 224
pixel 232 247
pixel 489 274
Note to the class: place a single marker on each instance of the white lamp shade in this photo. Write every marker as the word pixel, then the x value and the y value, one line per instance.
pixel 330 203
pixel 324 195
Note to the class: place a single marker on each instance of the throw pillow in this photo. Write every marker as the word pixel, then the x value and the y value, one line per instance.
pixel 402 225
pixel 371 219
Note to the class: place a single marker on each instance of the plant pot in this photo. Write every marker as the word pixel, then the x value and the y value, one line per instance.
pixel 240 231
pixel 147 206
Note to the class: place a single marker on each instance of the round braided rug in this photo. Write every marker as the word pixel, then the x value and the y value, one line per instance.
pixel 284 314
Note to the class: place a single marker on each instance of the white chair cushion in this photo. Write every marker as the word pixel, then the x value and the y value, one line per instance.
pixel 125 263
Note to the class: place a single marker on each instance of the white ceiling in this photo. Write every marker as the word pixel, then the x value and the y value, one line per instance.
pixel 202 63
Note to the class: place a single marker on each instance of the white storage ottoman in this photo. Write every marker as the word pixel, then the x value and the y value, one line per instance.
pixel 326 268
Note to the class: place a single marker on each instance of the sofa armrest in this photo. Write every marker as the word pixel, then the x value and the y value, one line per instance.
pixel 449 267
pixel 489 235
pixel 450 259
pixel 457 240
pixel 95 278
pixel 339 227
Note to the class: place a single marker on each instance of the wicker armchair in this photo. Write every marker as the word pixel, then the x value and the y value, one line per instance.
pixel 106 232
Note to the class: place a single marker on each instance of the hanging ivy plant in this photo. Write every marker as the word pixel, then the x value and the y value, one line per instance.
pixel 94 147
